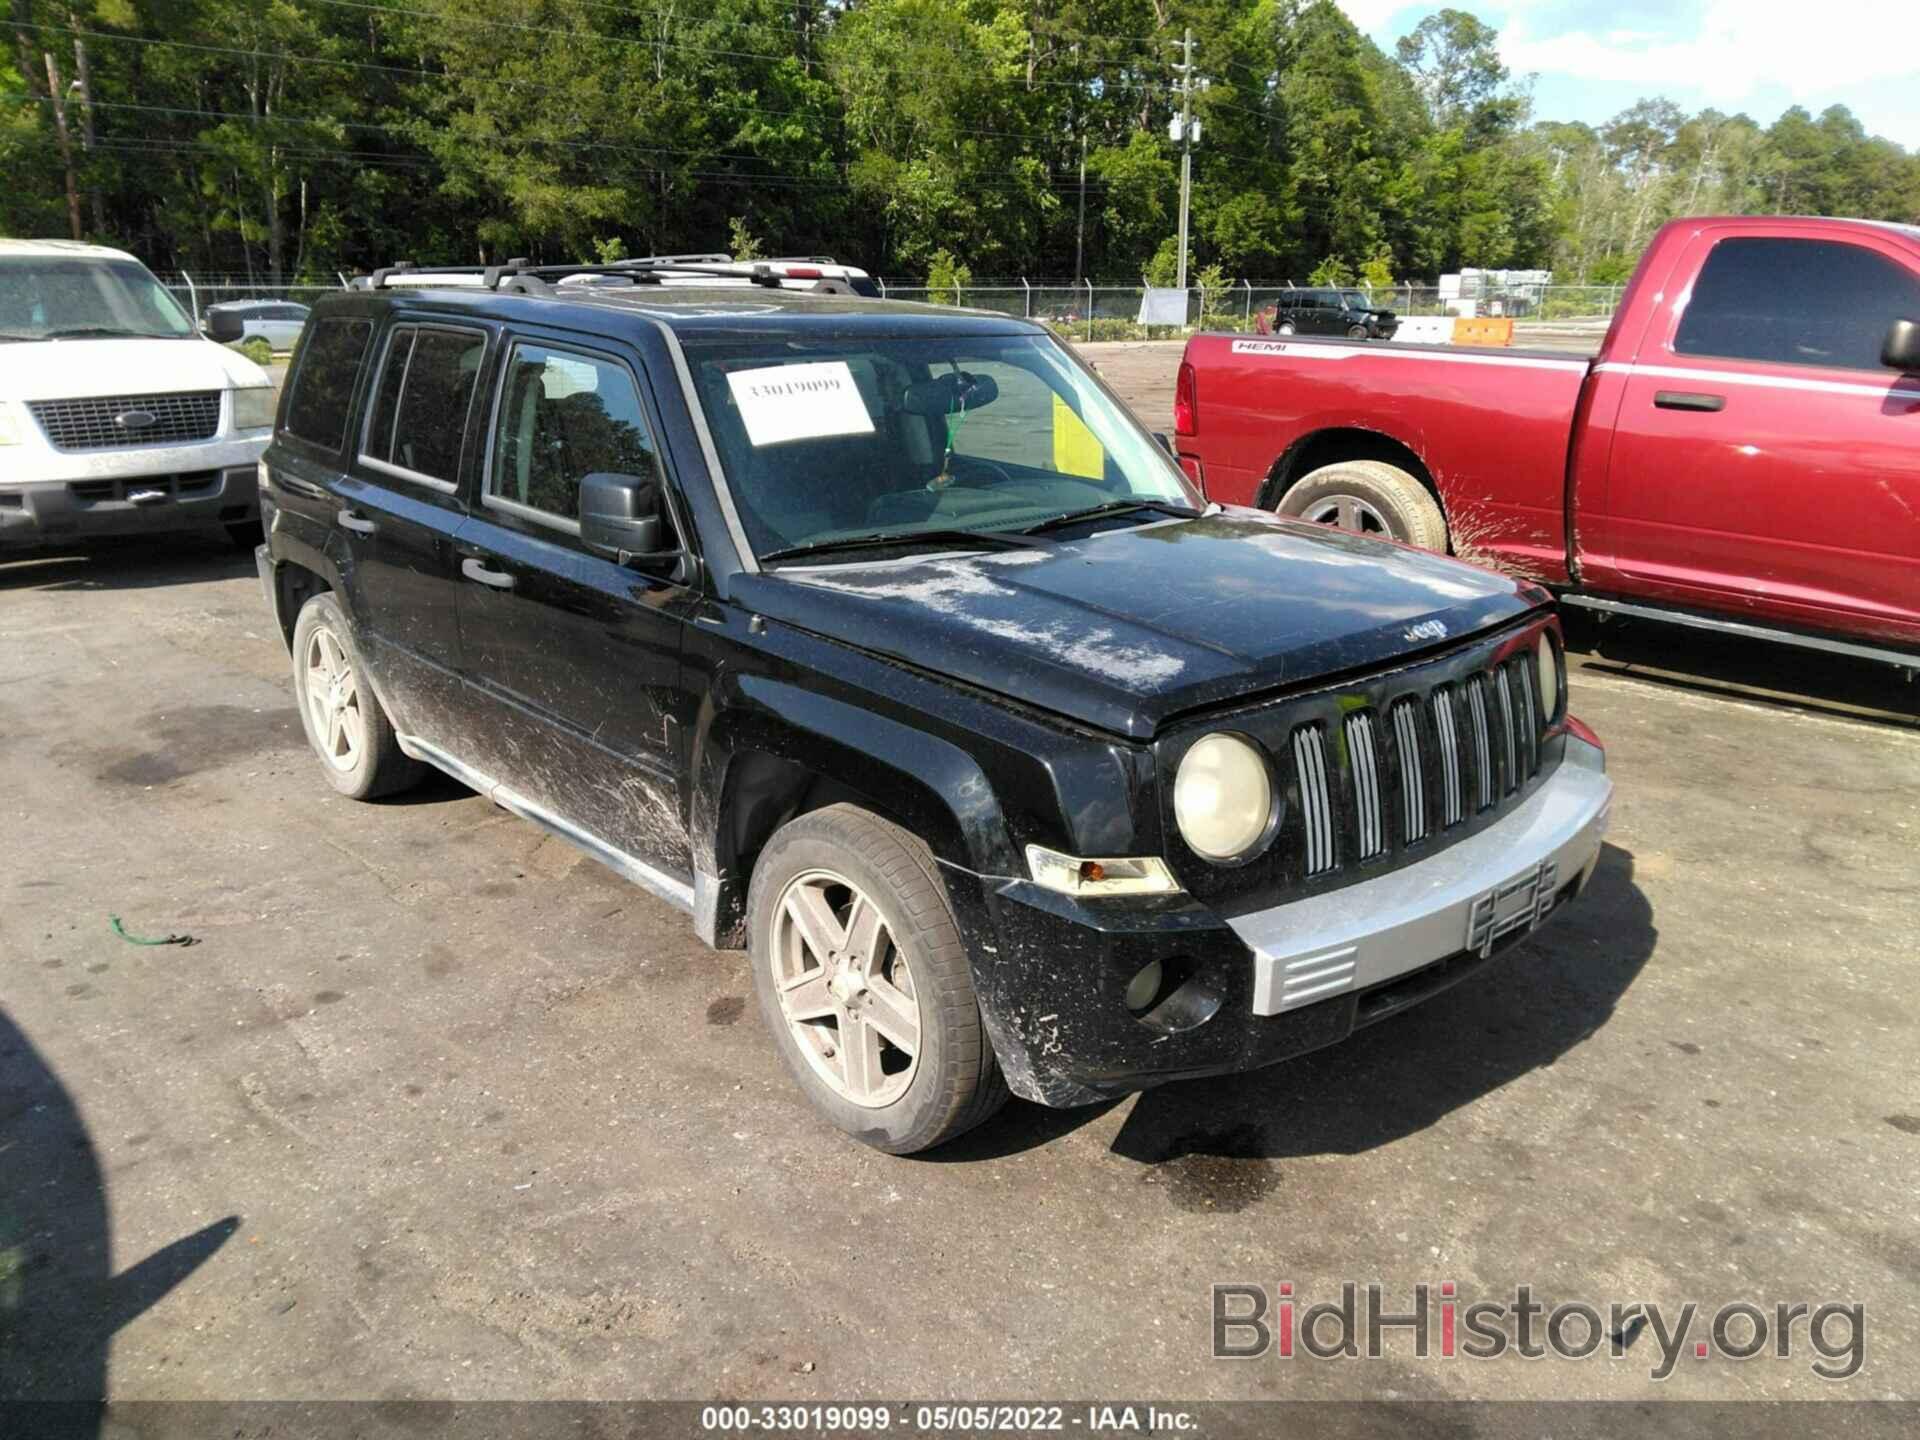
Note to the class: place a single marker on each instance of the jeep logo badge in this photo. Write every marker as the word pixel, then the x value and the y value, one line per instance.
pixel 1428 630
pixel 134 419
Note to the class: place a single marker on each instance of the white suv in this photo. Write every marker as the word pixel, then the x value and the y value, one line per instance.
pixel 117 418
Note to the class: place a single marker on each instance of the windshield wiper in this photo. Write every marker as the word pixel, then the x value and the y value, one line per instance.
pixel 884 540
pixel 1111 507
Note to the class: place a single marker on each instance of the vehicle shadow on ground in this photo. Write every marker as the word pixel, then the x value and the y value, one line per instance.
pixel 60 1302
pixel 138 563
pixel 1386 1082
pixel 1736 667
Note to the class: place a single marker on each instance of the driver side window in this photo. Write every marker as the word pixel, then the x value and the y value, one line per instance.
pixel 563 415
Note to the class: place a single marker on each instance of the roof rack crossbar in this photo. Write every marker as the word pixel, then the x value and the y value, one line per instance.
pixel 710 258
pixel 520 274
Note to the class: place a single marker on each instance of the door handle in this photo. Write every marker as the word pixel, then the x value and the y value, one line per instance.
pixel 356 522
pixel 1688 400
pixel 477 570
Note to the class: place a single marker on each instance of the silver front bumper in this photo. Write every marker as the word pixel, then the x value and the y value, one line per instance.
pixel 1466 898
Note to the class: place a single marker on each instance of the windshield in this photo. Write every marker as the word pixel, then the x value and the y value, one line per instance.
pixel 842 439
pixel 52 297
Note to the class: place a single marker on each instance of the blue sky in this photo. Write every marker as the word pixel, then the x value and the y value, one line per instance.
pixel 1593 58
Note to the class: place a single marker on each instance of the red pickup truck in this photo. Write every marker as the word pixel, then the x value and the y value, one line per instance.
pixel 1744 453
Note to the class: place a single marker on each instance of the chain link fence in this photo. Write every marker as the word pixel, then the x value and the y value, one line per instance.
pixel 1110 312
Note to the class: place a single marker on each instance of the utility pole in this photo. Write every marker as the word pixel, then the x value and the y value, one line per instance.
pixel 1185 128
pixel 1080 234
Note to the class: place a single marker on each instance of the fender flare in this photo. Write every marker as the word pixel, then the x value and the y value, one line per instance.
pixel 930 786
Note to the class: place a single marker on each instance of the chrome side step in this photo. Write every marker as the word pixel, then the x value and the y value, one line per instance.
pixel 1910 662
pixel 677 892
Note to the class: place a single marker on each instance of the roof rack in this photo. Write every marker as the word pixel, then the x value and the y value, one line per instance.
pixel 520 274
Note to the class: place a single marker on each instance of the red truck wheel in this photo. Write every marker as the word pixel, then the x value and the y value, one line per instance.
pixel 1369 497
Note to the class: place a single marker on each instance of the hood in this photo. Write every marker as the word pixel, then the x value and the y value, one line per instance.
pixel 76 369
pixel 1132 626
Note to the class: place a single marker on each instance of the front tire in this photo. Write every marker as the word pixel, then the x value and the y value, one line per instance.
pixel 865 983
pixel 348 730
pixel 1285 328
pixel 1356 332
pixel 1369 497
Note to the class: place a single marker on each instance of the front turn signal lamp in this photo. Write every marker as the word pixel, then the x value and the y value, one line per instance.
pixel 1071 875
pixel 13 429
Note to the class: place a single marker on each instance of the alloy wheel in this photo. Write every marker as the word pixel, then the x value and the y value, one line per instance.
pixel 333 701
pixel 845 990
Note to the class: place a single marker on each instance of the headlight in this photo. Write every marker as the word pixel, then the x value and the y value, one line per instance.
pixel 1222 797
pixel 253 408
pixel 1549 665
pixel 13 430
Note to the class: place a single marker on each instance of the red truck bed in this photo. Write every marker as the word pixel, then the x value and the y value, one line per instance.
pixel 1744 452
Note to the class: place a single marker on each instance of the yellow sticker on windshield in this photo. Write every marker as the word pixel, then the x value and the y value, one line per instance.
pixel 1075 451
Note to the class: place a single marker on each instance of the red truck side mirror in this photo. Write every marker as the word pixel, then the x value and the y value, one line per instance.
pixel 1901 350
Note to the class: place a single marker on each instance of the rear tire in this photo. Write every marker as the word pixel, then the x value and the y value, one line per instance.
pixel 866 892
pixel 1369 497
pixel 349 732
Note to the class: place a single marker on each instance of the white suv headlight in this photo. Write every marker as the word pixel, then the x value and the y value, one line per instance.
pixel 1222 797
pixel 13 424
pixel 253 408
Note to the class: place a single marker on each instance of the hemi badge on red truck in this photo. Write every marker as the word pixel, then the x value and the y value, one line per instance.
pixel 1297 352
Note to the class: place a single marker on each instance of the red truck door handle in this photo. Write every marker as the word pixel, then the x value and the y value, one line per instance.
pixel 1688 400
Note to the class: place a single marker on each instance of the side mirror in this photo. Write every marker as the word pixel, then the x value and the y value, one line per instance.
pixel 620 517
pixel 1901 349
pixel 224 326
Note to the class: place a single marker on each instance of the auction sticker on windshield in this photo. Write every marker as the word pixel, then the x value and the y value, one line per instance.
pixel 799 402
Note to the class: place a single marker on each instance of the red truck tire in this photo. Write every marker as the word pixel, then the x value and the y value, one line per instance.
pixel 1371 497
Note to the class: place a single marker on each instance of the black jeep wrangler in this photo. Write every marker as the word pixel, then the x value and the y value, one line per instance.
pixel 882 639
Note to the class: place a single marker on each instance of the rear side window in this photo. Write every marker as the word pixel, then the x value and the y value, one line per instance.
pixel 563 416
pixel 419 420
pixel 1796 302
pixel 323 384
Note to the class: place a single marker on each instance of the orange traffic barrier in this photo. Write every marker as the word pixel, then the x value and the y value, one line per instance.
pixel 1483 332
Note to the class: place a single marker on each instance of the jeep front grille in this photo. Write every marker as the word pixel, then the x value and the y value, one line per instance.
pixel 123 422
pixel 1456 752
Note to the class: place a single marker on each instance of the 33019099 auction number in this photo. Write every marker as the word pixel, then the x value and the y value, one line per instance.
pixel 827 1418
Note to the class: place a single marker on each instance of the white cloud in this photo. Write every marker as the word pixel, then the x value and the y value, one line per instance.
pixel 1372 15
pixel 1736 48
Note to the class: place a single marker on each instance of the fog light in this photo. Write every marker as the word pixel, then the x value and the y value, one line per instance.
pixel 1144 988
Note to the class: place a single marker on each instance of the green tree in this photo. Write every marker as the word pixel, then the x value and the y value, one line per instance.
pixel 947 278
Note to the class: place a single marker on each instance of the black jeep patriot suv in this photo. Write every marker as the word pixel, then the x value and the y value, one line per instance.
pixel 882 639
